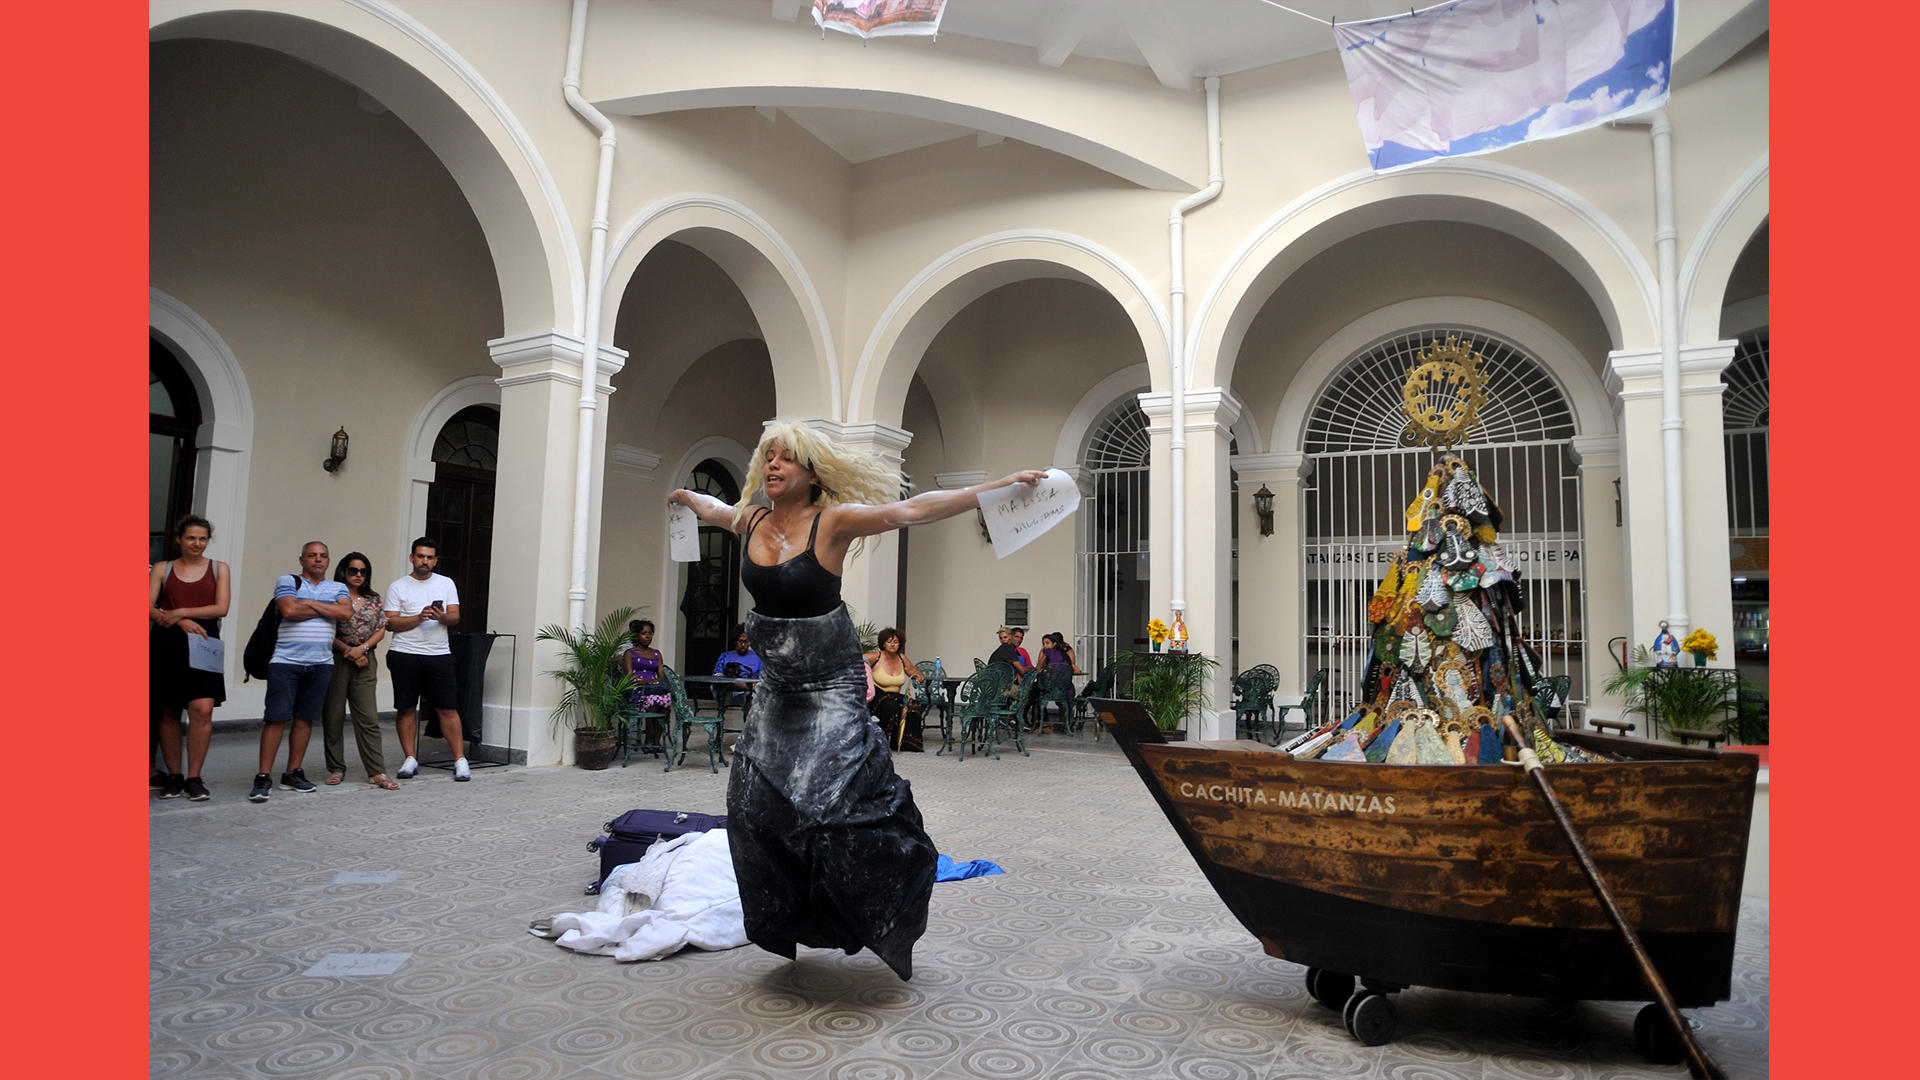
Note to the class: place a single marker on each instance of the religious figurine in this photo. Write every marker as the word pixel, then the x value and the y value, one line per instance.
pixel 1666 648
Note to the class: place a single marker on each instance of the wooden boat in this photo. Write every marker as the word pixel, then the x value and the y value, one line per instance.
pixel 1457 876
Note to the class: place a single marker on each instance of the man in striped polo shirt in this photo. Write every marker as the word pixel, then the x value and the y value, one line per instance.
pixel 302 664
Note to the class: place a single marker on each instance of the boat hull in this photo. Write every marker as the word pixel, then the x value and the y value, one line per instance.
pixel 1458 876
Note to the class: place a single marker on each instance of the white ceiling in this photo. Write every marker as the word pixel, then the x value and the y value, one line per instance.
pixel 1182 41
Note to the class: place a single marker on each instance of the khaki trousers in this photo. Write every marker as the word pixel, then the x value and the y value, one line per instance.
pixel 353 686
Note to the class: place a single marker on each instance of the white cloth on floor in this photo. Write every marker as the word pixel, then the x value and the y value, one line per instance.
pixel 681 893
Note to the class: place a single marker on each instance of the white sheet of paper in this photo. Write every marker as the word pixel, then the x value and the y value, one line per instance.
pixel 205 653
pixel 683 534
pixel 1018 513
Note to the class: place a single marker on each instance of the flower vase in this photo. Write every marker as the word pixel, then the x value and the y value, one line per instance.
pixel 1699 659
pixel 1156 646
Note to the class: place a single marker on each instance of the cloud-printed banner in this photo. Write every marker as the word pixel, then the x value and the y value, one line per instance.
pixel 1481 75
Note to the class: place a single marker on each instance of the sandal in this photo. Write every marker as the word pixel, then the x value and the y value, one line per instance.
pixel 382 781
pixel 335 777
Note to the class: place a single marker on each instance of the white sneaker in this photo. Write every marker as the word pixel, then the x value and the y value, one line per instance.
pixel 460 771
pixel 408 768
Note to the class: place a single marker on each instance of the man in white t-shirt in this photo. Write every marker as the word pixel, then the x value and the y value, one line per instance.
pixel 419 609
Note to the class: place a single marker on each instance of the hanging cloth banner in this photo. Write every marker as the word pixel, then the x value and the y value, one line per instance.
pixel 879 18
pixel 1481 75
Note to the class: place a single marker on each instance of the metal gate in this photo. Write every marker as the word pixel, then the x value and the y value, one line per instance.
pixel 1111 560
pixel 1745 414
pixel 1365 472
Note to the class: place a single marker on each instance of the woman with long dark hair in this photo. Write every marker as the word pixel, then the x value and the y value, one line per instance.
pixel 186 596
pixel 828 847
pixel 891 708
pixel 354 678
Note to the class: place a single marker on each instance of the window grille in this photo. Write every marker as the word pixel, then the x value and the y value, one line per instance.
pixel 1746 408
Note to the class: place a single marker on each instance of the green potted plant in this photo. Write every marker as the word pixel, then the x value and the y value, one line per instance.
pixel 1689 699
pixel 595 688
pixel 1171 686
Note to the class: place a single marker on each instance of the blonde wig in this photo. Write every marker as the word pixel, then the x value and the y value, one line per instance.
pixel 842 474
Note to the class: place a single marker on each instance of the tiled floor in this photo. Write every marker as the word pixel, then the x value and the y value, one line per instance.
pixel 1100 953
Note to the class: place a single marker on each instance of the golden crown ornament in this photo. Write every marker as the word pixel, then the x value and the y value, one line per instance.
pixel 1444 392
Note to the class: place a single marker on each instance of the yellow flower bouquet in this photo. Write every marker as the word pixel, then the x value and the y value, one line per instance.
pixel 1700 643
pixel 1156 632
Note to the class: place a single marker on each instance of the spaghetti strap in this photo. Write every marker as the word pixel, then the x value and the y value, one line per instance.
pixel 752 525
pixel 814 532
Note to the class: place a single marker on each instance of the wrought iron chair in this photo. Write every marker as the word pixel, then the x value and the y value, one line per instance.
pixel 931 695
pixel 1550 696
pixel 986 705
pixel 1101 685
pixel 1308 706
pixel 1051 686
pixel 684 721
pixel 632 731
pixel 1252 701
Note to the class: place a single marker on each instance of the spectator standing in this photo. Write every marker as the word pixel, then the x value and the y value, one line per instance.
pixel 185 596
pixel 420 607
pixel 354 678
pixel 301 667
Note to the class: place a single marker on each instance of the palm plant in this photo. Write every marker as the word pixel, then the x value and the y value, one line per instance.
pixel 1687 698
pixel 595 690
pixel 1171 685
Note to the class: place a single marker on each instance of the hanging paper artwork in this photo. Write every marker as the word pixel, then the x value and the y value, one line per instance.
pixel 879 18
pixel 1481 75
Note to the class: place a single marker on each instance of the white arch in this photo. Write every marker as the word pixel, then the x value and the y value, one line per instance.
pixel 1592 408
pixel 735 457
pixel 445 101
pixel 1561 223
pixel 769 274
pixel 224 443
pixel 1708 267
pixel 952 281
pixel 474 390
pixel 1071 447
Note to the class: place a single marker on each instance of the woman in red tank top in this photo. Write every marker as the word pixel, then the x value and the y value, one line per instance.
pixel 185 596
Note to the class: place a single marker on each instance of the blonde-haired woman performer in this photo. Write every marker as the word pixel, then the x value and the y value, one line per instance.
pixel 827 844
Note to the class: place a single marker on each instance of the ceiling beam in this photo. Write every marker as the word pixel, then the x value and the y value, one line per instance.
pixel 1162 40
pixel 1070 24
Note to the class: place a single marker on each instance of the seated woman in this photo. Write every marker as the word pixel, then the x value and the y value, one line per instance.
pixel 897 715
pixel 652 695
pixel 1057 657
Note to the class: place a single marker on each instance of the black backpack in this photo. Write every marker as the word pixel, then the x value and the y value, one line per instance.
pixel 266 634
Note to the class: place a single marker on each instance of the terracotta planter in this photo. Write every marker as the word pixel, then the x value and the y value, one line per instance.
pixel 593 749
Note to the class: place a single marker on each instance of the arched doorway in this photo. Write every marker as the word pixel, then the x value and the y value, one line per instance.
pixel 1112 553
pixel 460 506
pixel 1366 468
pixel 1747 420
pixel 711 602
pixel 173 420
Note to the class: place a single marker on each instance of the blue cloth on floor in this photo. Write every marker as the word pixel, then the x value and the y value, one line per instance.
pixel 945 869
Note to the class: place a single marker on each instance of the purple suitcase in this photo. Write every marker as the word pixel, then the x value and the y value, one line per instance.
pixel 628 836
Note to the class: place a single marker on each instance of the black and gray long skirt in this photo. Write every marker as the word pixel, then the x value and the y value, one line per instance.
pixel 827 845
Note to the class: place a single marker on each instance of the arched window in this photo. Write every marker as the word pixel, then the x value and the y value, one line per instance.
pixel 1746 408
pixel 460 506
pixel 173 419
pixel 1366 468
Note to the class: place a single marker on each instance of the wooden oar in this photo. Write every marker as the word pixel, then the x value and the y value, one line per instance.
pixel 1698 1062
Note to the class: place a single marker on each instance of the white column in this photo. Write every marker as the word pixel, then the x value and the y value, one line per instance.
pixel 1633 378
pixel 533 525
pixel 1210 411
pixel 1603 517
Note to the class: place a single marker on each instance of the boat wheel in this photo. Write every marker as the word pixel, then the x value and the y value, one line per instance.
pixel 1329 988
pixel 1370 1018
pixel 1655 1039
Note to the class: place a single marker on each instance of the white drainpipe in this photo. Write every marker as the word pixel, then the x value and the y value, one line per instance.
pixel 590 355
pixel 1666 239
pixel 1176 355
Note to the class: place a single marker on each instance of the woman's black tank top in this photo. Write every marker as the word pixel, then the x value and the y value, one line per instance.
pixel 799 588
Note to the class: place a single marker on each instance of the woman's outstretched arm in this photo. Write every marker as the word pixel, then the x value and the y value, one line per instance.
pixel 851 521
